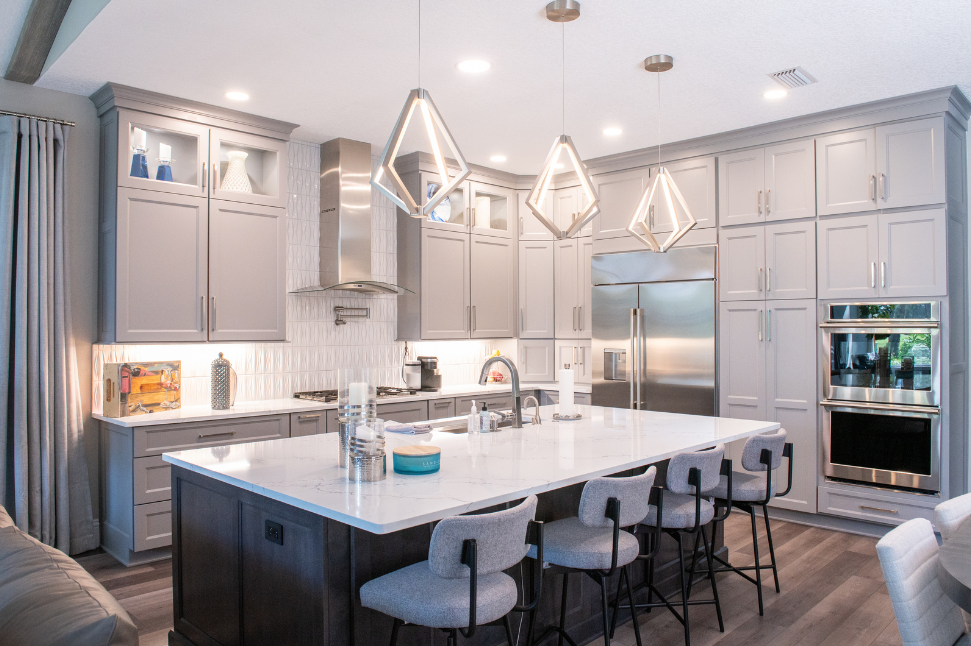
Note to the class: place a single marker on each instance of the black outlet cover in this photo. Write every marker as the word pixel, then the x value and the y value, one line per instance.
pixel 274 532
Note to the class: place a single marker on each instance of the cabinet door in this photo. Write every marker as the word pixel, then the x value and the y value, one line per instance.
pixel 493 210
pixel 310 423
pixel 565 207
pixel 493 287
pixel 188 144
pixel 247 168
pixel 536 360
pixel 619 194
pixel 741 359
pixel 910 163
pixel 790 260
pixel 567 356
pixel 441 408
pixel 161 267
pixel 913 254
pixel 445 307
pixel 847 251
pixel 741 263
pixel 247 272
pixel 584 367
pixel 790 379
pixel 585 289
pixel 454 213
pixel 530 228
pixel 741 179
pixel 404 412
pixel 567 297
pixel 695 179
pixel 846 172
pixel 536 302
pixel 790 181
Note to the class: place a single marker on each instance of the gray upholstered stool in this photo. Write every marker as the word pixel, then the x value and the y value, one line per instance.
pixel 762 453
pixel 686 511
pixel 592 543
pixel 462 584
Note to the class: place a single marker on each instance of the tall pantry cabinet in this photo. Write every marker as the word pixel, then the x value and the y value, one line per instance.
pixel 195 251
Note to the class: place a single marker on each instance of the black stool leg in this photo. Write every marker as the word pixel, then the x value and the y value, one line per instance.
pixel 453 637
pixel 650 574
pixel 758 562
pixel 394 631
pixel 566 578
pixel 768 533
pixel 625 574
pixel 694 563
pixel 604 606
pixel 684 590
pixel 505 623
pixel 711 576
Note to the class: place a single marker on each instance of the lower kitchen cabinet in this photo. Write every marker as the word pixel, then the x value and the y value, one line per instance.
pixel 404 412
pixel 497 402
pixel 441 408
pixel 309 423
pixel 577 355
pixel 536 360
pixel 873 505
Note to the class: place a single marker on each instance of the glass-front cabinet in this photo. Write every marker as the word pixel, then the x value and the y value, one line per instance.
pixel 247 168
pixel 452 213
pixel 493 210
pixel 162 154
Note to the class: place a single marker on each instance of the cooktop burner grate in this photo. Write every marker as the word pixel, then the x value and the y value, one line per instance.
pixel 329 396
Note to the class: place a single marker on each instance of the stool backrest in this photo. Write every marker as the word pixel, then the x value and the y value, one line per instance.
pixel 633 493
pixel 752 453
pixel 500 539
pixel 925 615
pixel 950 514
pixel 708 462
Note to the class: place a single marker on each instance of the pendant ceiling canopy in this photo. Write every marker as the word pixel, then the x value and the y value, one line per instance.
pixel 663 185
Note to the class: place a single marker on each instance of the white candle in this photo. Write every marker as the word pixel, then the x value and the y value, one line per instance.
pixel 566 392
pixel 139 139
pixel 164 153
pixel 357 394
pixel 364 433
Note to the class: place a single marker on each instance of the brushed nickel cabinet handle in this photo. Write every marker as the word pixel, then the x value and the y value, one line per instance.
pixel 203 436
pixel 468 318
pixel 520 226
pixel 759 202
pixel 205 175
pixel 522 319
pixel 886 511
pixel 768 279
pixel 213 314
pixel 873 275
pixel 441 404
pixel 215 175
pixel 580 317
pixel 307 418
pixel 651 222
pixel 760 325
pixel 473 223
pixel 873 188
pixel 883 187
pixel 883 273
pixel 574 319
pixel 768 201
pixel 768 325
pixel 760 279
pixel 473 318
pixel 202 313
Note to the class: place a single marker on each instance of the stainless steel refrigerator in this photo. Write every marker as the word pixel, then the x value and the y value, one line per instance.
pixel 654 330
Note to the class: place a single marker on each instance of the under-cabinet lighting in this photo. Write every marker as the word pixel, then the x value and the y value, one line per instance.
pixel 474 67
pixel 237 96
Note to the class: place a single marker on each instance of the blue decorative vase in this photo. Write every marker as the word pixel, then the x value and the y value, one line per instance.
pixel 164 173
pixel 139 165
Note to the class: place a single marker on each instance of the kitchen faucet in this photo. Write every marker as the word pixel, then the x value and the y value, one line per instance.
pixel 483 379
pixel 537 421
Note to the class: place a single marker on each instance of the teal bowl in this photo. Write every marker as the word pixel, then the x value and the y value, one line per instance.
pixel 416 460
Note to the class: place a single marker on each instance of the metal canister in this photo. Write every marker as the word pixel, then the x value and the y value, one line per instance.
pixel 223 384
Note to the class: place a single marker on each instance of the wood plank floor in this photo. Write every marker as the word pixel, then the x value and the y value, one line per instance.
pixel 832 593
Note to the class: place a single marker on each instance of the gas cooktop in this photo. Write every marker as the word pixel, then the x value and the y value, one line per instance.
pixel 330 396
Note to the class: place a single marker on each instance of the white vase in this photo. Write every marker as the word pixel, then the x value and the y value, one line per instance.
pixel 236 178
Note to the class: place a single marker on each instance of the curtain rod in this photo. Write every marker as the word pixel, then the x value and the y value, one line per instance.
pixel 32 116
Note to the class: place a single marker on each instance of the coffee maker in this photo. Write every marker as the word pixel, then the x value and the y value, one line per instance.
pixel 431 378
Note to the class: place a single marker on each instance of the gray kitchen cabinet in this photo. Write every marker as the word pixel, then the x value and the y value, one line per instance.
pixel 846 172
pixel 741 360
pixel 441 408
pixel 576 355
pixel 454 213
pixel 308 423
pixel 585 292
pixel 552 398
pixel 619 195
pixel 536 361
pixel 332 422
pixel 247 272
pixel 790 378
pixel 910 163
pixel 767 184
pixel 695 179
pixel 536 287
pixel 494 210
pixel 496 402
pixel 741 263
pixel 913 254
pixel 266 168
pixel 404 412
pixel 567 288
pixel 530 228
pixel 741 179
pixel 189 143
pixel 790 260
pixel 493 287
pixel 848 251
pixel 567 204
pixel 445 297
pixel 155 268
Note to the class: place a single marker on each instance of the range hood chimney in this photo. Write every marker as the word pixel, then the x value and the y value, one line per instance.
pixel 345 220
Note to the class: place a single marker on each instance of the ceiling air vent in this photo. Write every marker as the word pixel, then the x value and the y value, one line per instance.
pixel 793 77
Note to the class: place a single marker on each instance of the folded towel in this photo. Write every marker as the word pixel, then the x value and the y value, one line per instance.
pixel 407 429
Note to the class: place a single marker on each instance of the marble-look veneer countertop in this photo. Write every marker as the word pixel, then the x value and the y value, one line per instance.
pixel 292 405
pixel 477 471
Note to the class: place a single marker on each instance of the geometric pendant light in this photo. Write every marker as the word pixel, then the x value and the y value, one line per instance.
pixel 563 11
pixel 662 186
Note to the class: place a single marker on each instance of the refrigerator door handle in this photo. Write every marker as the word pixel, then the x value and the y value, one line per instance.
pixel 633 358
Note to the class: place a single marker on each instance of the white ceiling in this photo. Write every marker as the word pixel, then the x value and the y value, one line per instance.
pixel 345 68
pixel 12 15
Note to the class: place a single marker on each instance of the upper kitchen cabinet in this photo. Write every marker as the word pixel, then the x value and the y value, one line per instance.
pixel 890 166
pixel 775 261
pixel 619 194
pixel 767 184
pixel 446 307
pixel 572 288
pixel 536 302
pixel 530 228
pixel 567 204
pixel 174 260
pixel 454 212
pixel 247 169
pixel 494 210
pixel 695 179
pixel 493 293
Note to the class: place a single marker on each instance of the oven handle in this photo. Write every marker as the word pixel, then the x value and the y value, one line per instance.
pixel 900 324
pixel 924 410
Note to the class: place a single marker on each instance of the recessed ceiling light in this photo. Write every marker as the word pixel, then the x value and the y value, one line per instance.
pixel 498 158
pixel 775 94
pixel 237 96
pixel 474 67
pixel 612 132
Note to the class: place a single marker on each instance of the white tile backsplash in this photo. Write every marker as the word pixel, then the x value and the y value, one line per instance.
pixel 315 348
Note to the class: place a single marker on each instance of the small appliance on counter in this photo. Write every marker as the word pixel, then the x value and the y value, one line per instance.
pixel 431 378
pixel 140 388
pixel 411 374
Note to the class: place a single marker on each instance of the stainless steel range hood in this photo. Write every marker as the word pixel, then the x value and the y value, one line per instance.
pixel 345 220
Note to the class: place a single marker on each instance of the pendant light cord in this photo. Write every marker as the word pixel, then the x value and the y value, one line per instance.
pixel 658 120
pixel 419 43
pixel 563 77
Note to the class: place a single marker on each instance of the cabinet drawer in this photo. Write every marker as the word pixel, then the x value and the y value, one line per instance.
pixel 151 480
pixel 440 408
pixel 499 402
pixel 153 525
pixel 405 412
pixel 154 440
pixel 873 506
pixel 310 423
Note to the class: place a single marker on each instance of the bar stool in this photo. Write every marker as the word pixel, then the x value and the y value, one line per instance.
pixel 462 584
pixel 762 453
pixel 949 515
pixel 592 543
pixel 686 511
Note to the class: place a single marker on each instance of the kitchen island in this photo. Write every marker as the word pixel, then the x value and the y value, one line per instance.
pixel 271 542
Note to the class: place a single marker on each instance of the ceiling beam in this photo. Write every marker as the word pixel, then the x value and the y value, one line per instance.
pixel 36 37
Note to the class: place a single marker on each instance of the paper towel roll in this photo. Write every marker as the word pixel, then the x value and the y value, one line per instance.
pixel 566 392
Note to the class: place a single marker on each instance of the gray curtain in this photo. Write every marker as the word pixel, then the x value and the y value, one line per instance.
pixel 43 471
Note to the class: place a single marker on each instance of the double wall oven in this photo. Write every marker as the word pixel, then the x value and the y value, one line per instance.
pixel 882 416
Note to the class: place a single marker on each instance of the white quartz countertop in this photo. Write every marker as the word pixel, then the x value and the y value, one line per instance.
pixel 279 406
pixel 477 471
